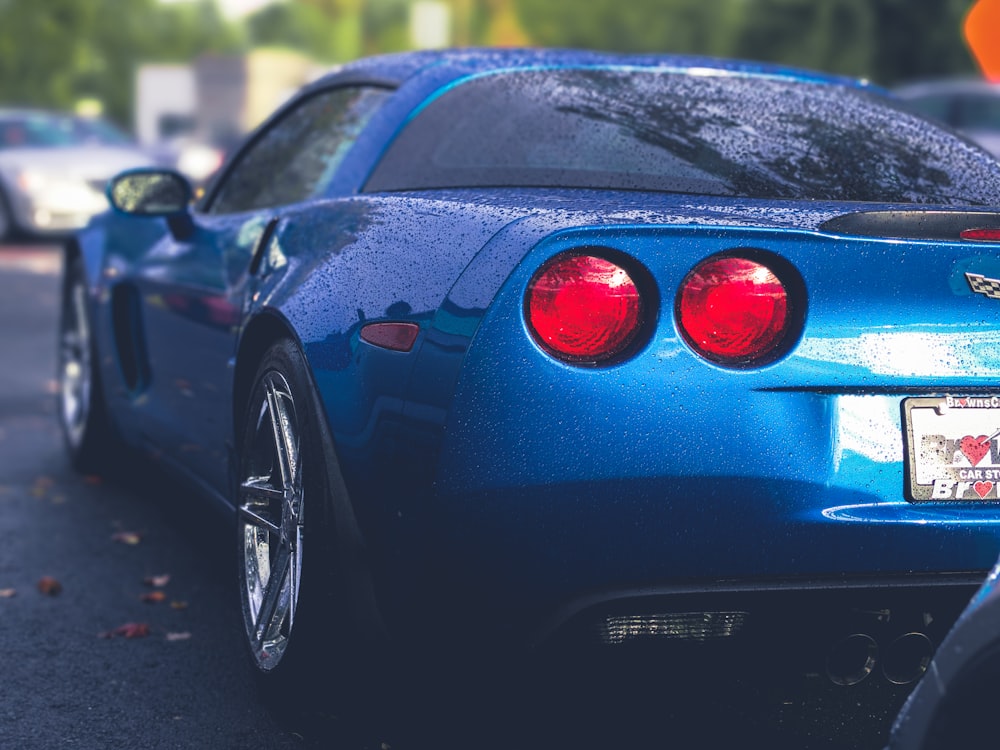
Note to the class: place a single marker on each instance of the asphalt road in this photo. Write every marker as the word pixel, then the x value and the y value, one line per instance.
pixel 92 546
pixel 79 558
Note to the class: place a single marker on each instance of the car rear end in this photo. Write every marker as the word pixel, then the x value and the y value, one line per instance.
pixel 773 452
pixel 732 402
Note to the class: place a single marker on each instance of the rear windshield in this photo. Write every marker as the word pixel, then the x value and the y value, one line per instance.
pixel 727 135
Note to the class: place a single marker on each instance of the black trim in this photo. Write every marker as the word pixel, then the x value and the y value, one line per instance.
pixel 912 225
pixel 130 342
pixel 654 598
pixel 262 243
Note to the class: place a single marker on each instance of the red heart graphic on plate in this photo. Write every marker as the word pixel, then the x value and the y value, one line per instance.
pixel 974 448
pixel 982 488
pixel 963 401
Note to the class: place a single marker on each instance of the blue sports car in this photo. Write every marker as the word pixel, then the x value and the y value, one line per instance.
pixel 570 354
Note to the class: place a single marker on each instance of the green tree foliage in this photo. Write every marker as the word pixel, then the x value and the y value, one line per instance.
pixel 303 27
pixel 837 36
pixel 386 25
pixel 885 40
pixel 919 39
pixel 39 54
pixel 691 26
pixel 332 30
pixel 55 52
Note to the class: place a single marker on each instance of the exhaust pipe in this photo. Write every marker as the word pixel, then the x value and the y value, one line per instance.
pixel 852 659
pixel 906 658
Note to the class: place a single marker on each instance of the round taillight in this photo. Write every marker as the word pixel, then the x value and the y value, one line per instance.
pixel 583 308
pixel 733 310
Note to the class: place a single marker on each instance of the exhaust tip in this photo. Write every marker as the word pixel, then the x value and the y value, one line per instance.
pixel 852 659
pixel 906 658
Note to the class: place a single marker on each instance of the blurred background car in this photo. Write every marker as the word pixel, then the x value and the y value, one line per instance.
pixel 971 106
pixel 54 168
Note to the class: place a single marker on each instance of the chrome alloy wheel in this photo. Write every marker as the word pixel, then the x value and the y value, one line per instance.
pixel 75 385
pixel 270 523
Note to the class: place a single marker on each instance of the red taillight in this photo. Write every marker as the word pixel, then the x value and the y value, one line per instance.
pixel 981 235
pixel 733 310
pixel 583 308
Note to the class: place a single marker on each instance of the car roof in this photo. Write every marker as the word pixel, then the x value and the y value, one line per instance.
pixel 397 68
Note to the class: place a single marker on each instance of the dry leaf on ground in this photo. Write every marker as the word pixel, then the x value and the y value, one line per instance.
pixel 126 537
pixel 128 630
pixel 49 586
pixel 41 486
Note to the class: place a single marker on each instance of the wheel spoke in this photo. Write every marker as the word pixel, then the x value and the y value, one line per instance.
pixel 276 602
pixel 285 445
pixel 295 572
pixel 258 490
pixel 74 364
pixel 254 518
pixel 80 308
pixel 70 343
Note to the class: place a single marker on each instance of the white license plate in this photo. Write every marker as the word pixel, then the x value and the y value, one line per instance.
pixel 953 448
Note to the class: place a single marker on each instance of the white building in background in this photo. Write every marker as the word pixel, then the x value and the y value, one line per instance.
pixel 430 24
pixel 193 114
pixel 165 102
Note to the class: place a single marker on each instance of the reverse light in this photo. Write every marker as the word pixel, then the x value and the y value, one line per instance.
pixel 733 311
pixel 584 309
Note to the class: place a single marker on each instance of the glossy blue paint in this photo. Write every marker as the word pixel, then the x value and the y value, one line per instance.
pixel 485 474
pixel 666 439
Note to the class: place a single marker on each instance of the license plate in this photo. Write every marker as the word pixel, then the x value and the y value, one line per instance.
pixel 953 448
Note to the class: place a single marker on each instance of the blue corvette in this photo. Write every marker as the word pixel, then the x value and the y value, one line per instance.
pixel 572 352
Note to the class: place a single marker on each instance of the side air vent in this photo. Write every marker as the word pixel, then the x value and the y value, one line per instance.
pixel 126 321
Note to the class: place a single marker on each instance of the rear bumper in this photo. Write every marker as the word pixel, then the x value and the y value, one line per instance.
pixel 808 612
pixel 808 664
pixel 790 664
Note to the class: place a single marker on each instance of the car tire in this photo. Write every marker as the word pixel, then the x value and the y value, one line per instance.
pixel 91 441
pixel 293 608
pixel 6 218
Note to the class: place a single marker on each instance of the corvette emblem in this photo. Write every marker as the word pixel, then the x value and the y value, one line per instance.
pixel 982 285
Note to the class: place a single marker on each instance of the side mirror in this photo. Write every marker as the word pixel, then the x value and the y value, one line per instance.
pixel 154 192
pixel 150 192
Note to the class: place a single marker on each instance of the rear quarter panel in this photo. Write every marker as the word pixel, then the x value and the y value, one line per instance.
pixel 666 468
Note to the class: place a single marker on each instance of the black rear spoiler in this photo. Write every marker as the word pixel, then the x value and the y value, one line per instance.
pixel 913 225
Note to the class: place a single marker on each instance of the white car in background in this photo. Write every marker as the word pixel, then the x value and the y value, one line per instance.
pixel 54 168
pixel 970 106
